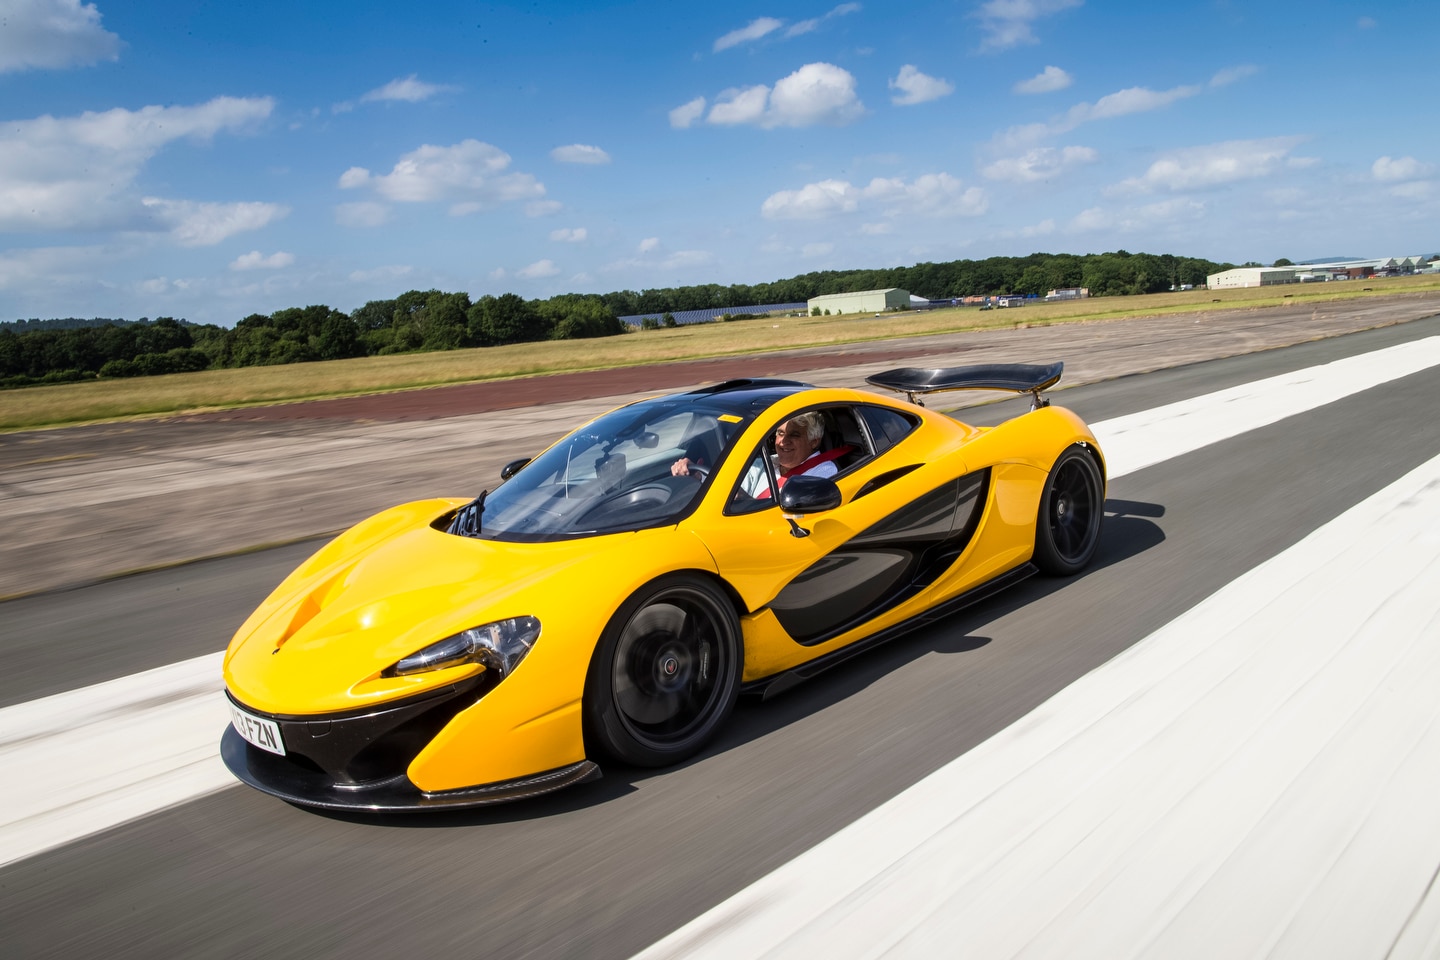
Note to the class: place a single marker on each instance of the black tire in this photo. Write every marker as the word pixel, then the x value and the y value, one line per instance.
pixel 1067 530
pixel 666 673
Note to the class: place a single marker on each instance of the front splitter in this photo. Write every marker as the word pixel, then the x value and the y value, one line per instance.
pixel 273 776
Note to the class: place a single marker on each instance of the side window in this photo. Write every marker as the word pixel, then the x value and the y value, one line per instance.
pixel 887 427
pixel 754 491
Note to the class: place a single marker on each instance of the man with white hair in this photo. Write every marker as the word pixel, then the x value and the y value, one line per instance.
pixel 797 454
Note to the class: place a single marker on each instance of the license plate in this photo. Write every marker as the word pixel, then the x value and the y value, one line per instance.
pixel 257 731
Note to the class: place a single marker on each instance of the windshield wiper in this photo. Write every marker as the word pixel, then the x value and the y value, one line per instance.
pixel 467 518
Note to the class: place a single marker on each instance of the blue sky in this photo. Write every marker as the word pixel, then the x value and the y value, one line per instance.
pixel 212 160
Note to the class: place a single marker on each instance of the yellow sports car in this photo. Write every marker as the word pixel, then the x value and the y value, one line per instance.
pixel 613 596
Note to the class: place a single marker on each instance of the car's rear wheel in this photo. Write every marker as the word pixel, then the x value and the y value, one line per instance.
pixel 666 673
pixel 1067 530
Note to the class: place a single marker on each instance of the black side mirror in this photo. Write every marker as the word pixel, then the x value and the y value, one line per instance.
pixel 512 468
pixel 802 495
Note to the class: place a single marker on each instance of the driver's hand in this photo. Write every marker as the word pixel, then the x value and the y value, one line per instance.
pixel 680 468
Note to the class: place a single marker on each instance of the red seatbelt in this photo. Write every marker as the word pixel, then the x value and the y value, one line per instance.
pixel 809 463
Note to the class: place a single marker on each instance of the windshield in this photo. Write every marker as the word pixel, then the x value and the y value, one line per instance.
pixel 614 474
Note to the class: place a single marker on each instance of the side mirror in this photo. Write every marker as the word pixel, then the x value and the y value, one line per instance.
pixel 512 468
pixel 647 440
pixel 802 495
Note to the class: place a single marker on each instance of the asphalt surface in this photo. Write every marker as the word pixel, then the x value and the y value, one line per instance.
pixel 605 869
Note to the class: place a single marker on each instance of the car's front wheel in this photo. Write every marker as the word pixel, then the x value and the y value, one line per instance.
pixel 666 673
pixel 1067 530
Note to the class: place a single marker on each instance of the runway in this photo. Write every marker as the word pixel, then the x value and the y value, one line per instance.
pixel 610 869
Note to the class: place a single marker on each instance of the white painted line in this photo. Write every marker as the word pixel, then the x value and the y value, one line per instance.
pixel 86 760
pixel 69 767
pixel 1152 436
pixel 1256 778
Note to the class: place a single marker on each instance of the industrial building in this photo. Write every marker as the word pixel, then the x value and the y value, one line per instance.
pixel 1251 277
pixel 863 301
pixel 1307 272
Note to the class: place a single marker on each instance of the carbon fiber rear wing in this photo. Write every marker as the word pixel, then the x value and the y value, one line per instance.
pixel 1028 378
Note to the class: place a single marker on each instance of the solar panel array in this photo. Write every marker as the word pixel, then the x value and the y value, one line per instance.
pixel 683 317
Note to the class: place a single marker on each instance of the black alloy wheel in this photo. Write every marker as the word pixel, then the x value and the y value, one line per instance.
pixel 666 673
pixel 1067 530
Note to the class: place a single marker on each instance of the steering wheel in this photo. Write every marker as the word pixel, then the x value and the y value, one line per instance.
pixel 639 498
pixel 696 470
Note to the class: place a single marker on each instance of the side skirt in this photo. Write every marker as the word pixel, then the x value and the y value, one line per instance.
pixel 767 687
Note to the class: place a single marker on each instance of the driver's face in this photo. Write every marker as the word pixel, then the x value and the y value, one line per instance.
pixel 792 446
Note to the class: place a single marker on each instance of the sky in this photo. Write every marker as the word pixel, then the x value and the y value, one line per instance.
pixel 213 160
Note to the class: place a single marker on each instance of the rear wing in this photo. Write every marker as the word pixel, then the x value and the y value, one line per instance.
pixel 1028 378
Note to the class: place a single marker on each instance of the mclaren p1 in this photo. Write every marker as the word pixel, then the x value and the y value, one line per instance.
pixel 596 606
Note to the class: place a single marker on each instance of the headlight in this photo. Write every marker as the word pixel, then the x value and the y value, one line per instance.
pixel 500 646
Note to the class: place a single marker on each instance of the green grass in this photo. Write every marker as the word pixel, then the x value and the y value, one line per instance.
pixel 101 400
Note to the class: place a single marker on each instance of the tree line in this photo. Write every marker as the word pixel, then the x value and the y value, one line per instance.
pixel 1105 274
pixel 45 352
pixel 49 351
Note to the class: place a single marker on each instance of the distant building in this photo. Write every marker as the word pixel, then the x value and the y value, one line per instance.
pixel 1068 293
pixel 863 301
pixel 1310 272
pixel 1252 277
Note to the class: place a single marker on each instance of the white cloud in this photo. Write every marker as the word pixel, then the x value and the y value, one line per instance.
pixel 1007 22
pixel 579 153
pixel 1414 190
pixel 930 195
pixel 1229 75
pixel 809 26
pixel 1366 23
pixel 1131 219
pixel 648 244
pixel 470 175
pixel 49 34
pixel 1117 104
pixel 354 177
pixel 538 269
pixel 569 235
pixel 817 93
pixel 816 249
pixel 1404 168
pixel 687 113
pixel 498 273
pixel 916 87
pixel 77 173
pixel 737 105
pixel 195 224
pixel 754 30
pixel 255 260
pixel 1131 100
pixel 1046 81
pixel 364 214
pixel 1196 168
pixel 68 266
pixel 814 201
pixel 879 229
pixel 407 89
pixel 1042 163
pixel 543 208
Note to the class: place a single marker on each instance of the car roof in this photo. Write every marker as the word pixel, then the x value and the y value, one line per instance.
pixel 745 397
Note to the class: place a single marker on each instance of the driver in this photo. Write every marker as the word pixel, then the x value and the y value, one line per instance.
pixel 797 442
